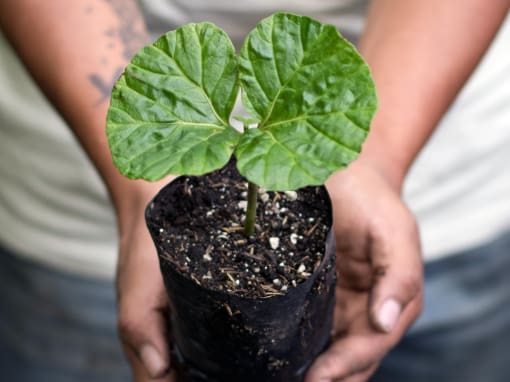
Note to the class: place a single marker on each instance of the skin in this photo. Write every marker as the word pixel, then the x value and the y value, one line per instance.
pixel 75 50
pixel 419 64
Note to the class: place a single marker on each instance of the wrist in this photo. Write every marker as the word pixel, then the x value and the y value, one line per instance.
pixel 390 168
pixel 389 150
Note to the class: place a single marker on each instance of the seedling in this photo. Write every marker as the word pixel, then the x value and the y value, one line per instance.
pixel 307 90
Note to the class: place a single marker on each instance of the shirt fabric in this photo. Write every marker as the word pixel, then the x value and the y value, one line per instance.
pixel 54 208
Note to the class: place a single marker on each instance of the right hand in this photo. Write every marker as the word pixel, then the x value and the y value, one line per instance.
pixel 380 278
pixel 142 304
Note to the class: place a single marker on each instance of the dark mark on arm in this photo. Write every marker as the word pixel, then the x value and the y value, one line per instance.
pixel 131 35
pixel 103 86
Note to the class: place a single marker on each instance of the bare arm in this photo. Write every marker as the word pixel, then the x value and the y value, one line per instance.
pixel 421 53
pixel 75 50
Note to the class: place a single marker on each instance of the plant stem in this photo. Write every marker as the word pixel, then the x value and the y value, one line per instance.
pixel 251 209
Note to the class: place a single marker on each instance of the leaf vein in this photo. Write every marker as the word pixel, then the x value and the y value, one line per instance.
pixel 306 116
pixel 182 150
pixel 331 138
pixel 291 153
pixel 185 75
pixel 273 43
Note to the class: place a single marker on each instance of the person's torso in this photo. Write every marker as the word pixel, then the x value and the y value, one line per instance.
pixel 54 208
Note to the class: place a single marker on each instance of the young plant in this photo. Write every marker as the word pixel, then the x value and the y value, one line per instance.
pixel 306 88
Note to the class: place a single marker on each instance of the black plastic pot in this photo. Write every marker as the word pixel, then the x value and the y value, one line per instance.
pixel 220 337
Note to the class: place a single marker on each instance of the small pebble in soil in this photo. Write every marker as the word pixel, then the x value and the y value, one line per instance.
pixel 293 238
pixel 301 268
pixel 277 282
pixel 274 242
pixel 207 257
pixel 291 195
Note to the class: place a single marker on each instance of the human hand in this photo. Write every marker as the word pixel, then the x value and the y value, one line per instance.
pixel 380 276
pixel 142 304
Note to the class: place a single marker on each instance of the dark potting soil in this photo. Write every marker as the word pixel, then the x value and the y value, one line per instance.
pixel 202 234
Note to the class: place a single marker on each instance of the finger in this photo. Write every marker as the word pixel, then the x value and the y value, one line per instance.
pixel 143 331
pixel 350 311
pixel 354 274
pixel 346 358
pixel 143 309
pixel 398 272
pixel 140 372
pixel 355 354
pixel 361 376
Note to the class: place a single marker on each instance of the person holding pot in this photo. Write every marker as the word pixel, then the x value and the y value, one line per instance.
pixel 437 65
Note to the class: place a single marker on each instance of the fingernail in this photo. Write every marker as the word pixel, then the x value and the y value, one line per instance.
pixel 325 380
pixel 153 362
pixel 388 314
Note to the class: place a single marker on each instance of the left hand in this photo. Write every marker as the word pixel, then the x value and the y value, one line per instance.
pixel 143 304
pixel 143 307
pixel 380 281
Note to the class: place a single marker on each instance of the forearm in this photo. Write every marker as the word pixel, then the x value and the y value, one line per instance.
pixel 421 52
pixel 75 50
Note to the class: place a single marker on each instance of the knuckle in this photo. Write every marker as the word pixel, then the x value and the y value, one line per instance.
pixel 411 283
pixel 378 228
pixel 128 325
pixel 381 236
pixel 383 228
pixel 332 364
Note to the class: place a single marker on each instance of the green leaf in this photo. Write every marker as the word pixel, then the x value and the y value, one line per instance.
pixel 313 96
pixel 170 110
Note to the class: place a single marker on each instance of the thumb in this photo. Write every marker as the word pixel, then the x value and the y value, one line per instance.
pixel 142 330
pixel 398 274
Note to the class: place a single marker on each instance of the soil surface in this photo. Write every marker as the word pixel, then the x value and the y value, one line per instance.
pixel 202 234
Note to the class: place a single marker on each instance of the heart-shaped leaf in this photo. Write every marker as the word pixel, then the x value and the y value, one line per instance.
pixel 314 99
pixel 170 110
